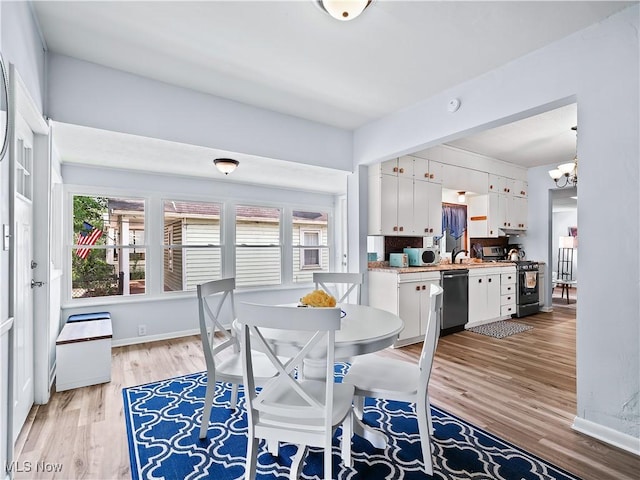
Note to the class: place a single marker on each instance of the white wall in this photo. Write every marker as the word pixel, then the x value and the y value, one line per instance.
pixel 559 228
pixel 87 94
pixel 598 67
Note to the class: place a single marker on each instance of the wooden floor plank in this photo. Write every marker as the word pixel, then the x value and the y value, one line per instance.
pixel 520 388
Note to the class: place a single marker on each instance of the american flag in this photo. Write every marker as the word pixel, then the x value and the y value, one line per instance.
pixel 87 236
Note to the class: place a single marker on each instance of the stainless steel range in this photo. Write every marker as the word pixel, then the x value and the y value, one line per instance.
pixel 528 289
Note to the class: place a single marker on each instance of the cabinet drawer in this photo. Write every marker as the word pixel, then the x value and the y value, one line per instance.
pixel 508 299
pixel 508 289
pixel 507 310
pixel 506 278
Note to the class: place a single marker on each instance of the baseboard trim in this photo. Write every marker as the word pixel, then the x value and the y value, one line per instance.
pixel 607 435
pixel 546 309
pixel 154 338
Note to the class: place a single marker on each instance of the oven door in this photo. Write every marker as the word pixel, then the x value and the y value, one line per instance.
pixel 528 288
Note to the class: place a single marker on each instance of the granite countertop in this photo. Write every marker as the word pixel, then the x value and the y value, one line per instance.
pixel 384 267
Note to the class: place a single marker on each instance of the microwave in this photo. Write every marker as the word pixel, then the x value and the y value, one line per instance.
pixel 420 257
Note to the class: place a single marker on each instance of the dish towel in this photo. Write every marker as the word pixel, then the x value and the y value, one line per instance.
pixel 530 279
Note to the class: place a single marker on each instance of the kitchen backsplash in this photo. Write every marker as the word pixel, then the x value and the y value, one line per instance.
pixel 487 242
pixel 398 244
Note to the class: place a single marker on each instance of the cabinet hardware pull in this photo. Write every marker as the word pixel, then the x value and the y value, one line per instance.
pixel 431 175
pixel 424 287
pixel 395 229
pixel 401 229
pixel 418 288
pixel 489 280
pixel 479 280
pixel 426 175
pixel 402 170
pixel 395 169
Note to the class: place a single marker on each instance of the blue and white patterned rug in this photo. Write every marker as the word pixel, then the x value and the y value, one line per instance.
pixel 163 421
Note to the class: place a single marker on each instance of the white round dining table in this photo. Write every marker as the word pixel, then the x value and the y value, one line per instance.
pixel 363 329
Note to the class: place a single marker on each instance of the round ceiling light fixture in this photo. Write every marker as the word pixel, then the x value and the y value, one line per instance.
pixel 226 165
pixel 344 10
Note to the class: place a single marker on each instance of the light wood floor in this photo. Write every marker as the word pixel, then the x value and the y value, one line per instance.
pixel 521 388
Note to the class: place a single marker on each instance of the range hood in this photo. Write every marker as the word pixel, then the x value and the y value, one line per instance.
pixel 513 232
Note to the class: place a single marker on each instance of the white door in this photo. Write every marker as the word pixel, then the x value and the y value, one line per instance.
pixel 23 318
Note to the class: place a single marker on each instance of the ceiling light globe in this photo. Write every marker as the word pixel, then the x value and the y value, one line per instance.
pixel 226 165
pixel 344 10
pixel 567 168
pixel 555 174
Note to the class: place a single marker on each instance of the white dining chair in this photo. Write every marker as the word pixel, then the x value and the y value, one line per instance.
pixel 222 347
pixel 290 408
pixel 391 379
pixel 339 284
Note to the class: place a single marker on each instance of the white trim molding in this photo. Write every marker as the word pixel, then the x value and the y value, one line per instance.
pixel 6 326
pixel 154 338
pixel 608 435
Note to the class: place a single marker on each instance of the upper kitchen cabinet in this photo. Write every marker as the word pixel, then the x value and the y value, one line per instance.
pixel 401 203
pixel 427 170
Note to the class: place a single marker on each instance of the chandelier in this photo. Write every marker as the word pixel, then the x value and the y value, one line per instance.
pixel 566 175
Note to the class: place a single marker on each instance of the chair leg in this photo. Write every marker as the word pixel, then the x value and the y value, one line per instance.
pixel 234 395
pixel 273 447
pixel 252 458
pixel 429 419
pixel 347 434
pixel 208 402
pixel 297 462
pixel 423 414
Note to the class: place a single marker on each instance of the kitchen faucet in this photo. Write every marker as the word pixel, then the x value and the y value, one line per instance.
pixel 455 253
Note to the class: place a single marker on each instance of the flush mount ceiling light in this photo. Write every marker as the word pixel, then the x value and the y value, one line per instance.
pixel 343 10
pixel 566 175
pixel 226 165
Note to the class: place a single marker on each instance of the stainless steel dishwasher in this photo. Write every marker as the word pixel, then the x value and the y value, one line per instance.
pixel 455 301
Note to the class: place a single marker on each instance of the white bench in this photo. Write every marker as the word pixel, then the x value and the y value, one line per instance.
pixel 83 354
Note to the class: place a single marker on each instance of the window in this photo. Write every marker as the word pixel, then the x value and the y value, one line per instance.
pixel 258 247
pixel 192 247
pixel 101 265
pixel 310 229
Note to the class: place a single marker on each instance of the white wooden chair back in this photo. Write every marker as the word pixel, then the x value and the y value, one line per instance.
pixel 212 298
pixel 339 284
pixel 308 410
pixel 431 336
pixel 290 408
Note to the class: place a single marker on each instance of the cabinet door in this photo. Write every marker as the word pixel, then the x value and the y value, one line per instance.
pixel 390 167
pixel 389 205
pixel 519 188
pixel 405 166
pixel 494 296
pixel 436 172
pixel 496 214
pixel 425 304
pixel 421 206
pixel 409 298
pixel 405 206
pixel 435 209
pixel 421 169
pixel 477 298
pixel 497 183
pixel 518 213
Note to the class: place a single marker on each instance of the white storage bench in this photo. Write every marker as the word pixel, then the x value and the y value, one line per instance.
pixel 83 353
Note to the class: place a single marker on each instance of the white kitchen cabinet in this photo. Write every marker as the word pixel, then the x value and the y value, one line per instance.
pixel 401 205
pixel 427 209
pixel 464 179
pixel 489 214
pixel 508 293
pixel 405 295
pixel 427 170
pixel 402 166
pixel 484 296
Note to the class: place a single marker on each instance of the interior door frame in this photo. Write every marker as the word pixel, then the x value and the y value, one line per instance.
pixel 21 102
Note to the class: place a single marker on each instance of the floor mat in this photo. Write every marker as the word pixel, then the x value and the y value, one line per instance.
pixel 500 329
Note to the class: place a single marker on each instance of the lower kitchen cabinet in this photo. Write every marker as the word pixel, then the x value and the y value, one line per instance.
pixel 405 295
pixel 491 294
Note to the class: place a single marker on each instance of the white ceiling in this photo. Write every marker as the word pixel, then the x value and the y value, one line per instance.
pixel 290 57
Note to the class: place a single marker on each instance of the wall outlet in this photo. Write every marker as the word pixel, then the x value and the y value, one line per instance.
pixel 142 330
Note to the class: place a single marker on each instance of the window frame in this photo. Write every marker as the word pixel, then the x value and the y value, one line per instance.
pixel 154 221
